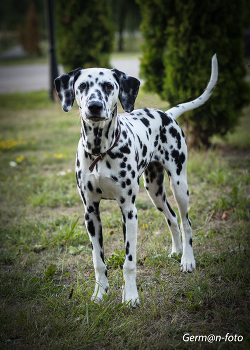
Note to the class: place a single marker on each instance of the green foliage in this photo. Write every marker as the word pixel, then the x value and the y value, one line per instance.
pixel 85 33
pixel 180 40
pixel 50 271
pixel 116 260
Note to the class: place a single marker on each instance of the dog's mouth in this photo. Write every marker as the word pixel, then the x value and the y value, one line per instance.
pixel 94 118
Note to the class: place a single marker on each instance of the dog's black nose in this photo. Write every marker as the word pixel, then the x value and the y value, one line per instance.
pixel 95 107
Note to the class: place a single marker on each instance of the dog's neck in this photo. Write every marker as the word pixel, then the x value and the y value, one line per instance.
pixel 99 137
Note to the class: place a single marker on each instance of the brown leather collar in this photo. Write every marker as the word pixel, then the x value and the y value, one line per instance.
pixel 101 155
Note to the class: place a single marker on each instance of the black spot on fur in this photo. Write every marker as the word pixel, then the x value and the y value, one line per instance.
pixel 140 141
pixel 166 155
pixel 145 121
pixel 122 173
pixel 114 178
pixel 91 228
pixel 108 128
pixel 165 118
pixel 90 209
pixel 90 187
pixel 83 197
pixel 176 135
pixel 122 200
pixel 128 182
pixel 79 174
pixel 150 115
pixel 169 223
pixel 163 135
pixel 130 215
pixel 114 155
pixel 179 159
pixel 191 242
pixel 125 149
pixel 127 248
pixel 130 258
pixel 171 210
pixel 160 179
pixel 152 176
pixel 101 239
pixel 160 191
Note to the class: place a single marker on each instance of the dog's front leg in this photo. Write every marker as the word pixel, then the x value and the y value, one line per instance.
pixel 130 294
pixel 94 227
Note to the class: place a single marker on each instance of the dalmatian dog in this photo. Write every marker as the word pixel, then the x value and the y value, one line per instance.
pixel 115 150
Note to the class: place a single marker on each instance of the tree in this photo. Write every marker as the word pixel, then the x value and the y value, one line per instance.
pixel 85 33
pixel 32 32
pixel 180 40
pixel 126 16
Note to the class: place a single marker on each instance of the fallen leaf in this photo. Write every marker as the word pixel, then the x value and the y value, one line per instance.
pixel 224 216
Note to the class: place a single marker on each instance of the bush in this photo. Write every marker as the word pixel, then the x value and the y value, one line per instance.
pixel 180 40
pixel 85 33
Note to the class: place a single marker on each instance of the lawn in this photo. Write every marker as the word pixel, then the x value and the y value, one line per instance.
pixel 47 274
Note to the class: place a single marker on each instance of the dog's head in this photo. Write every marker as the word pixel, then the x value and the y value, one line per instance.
pixel 96 91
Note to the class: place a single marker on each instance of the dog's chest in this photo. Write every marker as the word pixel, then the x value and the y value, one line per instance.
pixel 104 181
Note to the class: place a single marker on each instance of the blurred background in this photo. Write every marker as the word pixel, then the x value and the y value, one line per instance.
pixel 165 43
pixel 24 26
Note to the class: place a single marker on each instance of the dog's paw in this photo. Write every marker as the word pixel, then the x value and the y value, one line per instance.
pixel 97 300
pixel 99 292
pixel 187 265
pixel 133 302
pixel 130 299
pixel 173 254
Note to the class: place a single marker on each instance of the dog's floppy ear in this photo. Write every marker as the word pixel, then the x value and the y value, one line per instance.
pixel 129 87
pixel 65 88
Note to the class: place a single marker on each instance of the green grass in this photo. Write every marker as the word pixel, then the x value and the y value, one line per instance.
pixel 47 274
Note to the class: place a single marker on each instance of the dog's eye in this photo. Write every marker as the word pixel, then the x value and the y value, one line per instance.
pixel 109 86
pixel 83 85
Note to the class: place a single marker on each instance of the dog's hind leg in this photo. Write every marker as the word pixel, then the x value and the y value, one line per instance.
pixel 179 187
pixel 154 184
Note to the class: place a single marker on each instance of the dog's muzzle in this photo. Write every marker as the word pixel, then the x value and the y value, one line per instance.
pixel 94 111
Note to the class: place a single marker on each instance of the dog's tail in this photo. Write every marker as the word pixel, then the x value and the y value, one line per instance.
pixel 176 111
